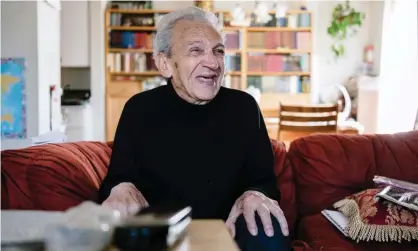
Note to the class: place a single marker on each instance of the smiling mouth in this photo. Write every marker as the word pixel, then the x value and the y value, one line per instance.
pixel 209 79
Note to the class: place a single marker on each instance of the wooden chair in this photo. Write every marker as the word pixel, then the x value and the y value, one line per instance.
pixel 298 121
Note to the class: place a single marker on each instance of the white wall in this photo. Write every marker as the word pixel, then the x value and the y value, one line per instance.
pixel 49 57
pixel 97 67
pixel 22 44
pixel 35 38
pixel 398 102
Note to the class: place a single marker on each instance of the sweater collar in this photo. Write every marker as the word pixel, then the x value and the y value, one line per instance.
pixel 174 97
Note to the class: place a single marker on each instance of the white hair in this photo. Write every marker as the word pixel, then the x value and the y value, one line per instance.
pixel 162 40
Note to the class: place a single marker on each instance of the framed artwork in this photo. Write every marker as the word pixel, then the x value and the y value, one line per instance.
pixel 13 98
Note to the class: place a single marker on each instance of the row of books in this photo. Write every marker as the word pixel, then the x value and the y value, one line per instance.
pixel 280 39
pixel 233 82
pixel 121 19
pixel 130 5
pixel 142 62
pixel 279 63
pixel 264 40
pixel 129 39
pixel 270 84
pixel 130 62
pixel 270 40
pixel 232 63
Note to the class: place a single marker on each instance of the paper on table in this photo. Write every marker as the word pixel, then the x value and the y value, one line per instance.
pixel 49 138
pixel 84 227
pixel 26 225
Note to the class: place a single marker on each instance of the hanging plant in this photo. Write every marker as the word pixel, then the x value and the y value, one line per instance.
pixel 345 22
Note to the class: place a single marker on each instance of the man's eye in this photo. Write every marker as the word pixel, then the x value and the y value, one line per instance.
pixel 220 51
pixel 196 50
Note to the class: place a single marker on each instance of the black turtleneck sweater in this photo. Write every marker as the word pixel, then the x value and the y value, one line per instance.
pixel 204 156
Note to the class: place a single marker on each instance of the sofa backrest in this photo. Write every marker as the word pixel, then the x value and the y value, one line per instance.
pixel 59 176
pixel 329 167
pixel 285 182
pixel 53 176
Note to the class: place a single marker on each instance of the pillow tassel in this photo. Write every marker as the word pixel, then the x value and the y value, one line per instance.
pixel 359 231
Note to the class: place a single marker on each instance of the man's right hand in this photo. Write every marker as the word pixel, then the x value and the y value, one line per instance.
pixel 126 199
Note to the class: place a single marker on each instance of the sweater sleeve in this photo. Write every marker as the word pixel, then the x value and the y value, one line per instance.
pixel 259 164
pixel 122 166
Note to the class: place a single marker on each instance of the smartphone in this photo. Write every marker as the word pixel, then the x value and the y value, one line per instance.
pixel 154 228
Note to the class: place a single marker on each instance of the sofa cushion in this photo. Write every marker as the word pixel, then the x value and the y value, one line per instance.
pixel 328 168
pixel 321 235
pixel 285 182
pixel 53 176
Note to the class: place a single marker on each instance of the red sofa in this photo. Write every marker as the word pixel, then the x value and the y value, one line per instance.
pixel 316 171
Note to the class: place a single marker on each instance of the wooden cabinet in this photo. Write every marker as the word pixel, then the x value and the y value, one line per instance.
pixel 117 94
pixel 75 34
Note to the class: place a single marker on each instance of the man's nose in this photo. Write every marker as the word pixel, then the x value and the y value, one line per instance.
pixel 211 61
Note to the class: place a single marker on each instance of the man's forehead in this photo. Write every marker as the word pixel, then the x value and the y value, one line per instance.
pixel 188 31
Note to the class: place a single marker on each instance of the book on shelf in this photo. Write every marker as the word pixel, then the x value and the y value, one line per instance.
pixel 130 40
pixel 339 220
pixel 259 62
pixel 130 62
pixel 232 63
pixel 296 40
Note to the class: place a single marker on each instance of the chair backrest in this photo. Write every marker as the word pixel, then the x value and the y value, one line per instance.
pixel 308 119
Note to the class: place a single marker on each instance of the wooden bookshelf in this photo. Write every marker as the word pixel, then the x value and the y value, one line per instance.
pixel 121 84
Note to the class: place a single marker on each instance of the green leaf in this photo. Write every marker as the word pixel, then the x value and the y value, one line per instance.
pixel 338 28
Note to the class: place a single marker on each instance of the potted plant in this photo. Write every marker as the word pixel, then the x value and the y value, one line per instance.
pixel 345 23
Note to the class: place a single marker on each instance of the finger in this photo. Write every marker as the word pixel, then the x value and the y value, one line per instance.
pixel 249 216
pixel 232 218
pixel 233 215
pixel 141 199
pixel 265 217
pixel 278 214
pixel 133 208
pixel 145 203
pixel 231 228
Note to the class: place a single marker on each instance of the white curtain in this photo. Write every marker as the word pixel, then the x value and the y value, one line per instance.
pixel 398 81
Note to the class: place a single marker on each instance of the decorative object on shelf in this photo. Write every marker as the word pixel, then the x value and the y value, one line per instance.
pixel 262 13
pixel 368 61
pixel 281 9
pixel 204 4
pixel 345 23
pixel 239 17
pixel 332 95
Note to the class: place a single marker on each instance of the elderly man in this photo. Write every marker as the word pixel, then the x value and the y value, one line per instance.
pixel 196 143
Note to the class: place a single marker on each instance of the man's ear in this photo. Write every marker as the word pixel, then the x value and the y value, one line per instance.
pixel 161 61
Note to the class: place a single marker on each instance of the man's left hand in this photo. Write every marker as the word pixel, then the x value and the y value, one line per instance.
pixel 251 202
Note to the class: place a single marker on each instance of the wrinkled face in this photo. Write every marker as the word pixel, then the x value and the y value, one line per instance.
pixel 196 63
